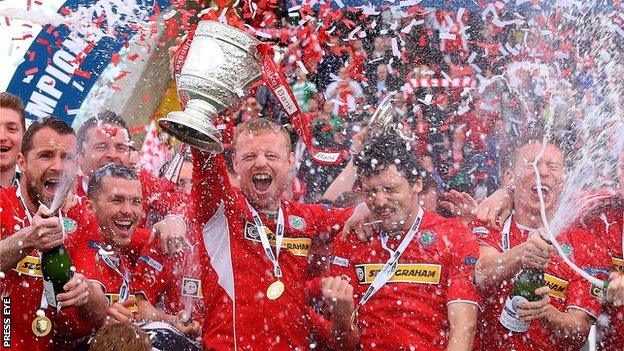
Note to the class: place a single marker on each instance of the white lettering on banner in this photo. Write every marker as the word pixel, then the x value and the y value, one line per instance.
pixel 43 102
pixel 326 156
pixel 285 99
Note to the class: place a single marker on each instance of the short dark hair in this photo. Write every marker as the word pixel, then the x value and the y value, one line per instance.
pixel 105 117
pixel 564 138
pixel 111 170
pixel 12 102
pixel 386 149
pixel 54 123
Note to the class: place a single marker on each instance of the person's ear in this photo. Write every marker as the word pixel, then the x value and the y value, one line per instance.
pixel 21 161
pixel 509 179
pixel 417 187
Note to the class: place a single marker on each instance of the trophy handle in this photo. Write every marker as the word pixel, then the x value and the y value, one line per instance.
pixel 194 126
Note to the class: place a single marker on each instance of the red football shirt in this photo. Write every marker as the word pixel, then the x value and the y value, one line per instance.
pixel 238 272
pixel 88 254
pixel 173 282
pixel 567 290
pixel 607 224
pixel 410 311
pixel 23 285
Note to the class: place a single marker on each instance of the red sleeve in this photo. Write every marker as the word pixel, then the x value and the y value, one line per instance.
pixel 485 236
pixel 462 254
pixel 593 258
pixel 161 195
pixel 210 185
pixel 330 219
pixel 340 265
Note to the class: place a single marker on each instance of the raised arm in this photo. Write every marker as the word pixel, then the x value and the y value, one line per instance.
pixel 210 185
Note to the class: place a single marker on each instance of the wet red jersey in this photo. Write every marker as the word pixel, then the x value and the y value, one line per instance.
pixel 238 272
pixel 567 290
pixel 409 312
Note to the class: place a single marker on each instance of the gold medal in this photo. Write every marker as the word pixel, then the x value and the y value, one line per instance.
pixel 41 326
pixel 275 290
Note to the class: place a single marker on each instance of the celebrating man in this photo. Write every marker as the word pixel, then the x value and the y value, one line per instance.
pixel 257 244
pixel 105 139
pixel 565 308
pixel 27 230
pixel 413 279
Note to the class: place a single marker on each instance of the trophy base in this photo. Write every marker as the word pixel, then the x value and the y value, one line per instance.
pixel 206 137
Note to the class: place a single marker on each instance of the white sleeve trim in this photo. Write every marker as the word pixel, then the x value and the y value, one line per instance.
pixel 464 301
pixel 582 309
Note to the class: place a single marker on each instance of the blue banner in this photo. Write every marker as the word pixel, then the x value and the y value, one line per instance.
pixel 60 67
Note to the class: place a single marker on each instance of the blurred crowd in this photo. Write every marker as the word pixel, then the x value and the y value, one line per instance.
pixel 462 79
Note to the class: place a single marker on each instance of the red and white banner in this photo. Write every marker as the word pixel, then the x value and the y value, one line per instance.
pixel 414 83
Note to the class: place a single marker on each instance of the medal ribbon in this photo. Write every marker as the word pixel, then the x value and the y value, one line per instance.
pixel 390 267
pixel 506 244
pixel 278 85
pixel 279 237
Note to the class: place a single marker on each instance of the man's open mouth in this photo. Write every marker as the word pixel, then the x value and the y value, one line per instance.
pixel 123 225
pixel 50 185
pixel 262 181
pixel 4 149
pixel 545 190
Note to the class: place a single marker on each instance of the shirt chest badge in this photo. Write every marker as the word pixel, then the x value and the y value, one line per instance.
pixel 69 225
pixel 297 222
pixel 427 238
pixel 191 288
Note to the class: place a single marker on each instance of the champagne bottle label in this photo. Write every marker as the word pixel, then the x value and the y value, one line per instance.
pixel 48 289
pixel 509 318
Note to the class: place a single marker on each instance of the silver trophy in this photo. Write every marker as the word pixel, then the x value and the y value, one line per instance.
pixel 221 65
pixel 385 120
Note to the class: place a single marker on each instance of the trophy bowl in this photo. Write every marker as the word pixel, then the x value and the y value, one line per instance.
pixel 386 120
pixel 221 66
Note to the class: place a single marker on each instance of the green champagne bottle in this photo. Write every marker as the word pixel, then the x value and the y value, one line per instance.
pixel 56 268
pixel 523 290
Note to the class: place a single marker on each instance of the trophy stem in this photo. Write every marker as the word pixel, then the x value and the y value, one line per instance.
pixel 194 127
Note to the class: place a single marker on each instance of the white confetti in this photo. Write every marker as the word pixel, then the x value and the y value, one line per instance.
pixel 395 47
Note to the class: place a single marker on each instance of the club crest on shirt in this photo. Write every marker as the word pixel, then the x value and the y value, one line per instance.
pixel 427 238
pixel 191 288
pixel 70 225
pixel 297 222
pixel 567 250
